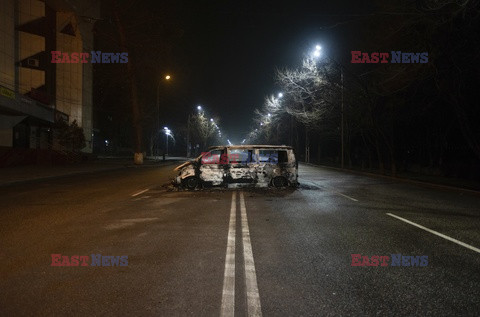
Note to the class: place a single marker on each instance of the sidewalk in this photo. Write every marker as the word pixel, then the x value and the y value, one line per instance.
pixel 32 173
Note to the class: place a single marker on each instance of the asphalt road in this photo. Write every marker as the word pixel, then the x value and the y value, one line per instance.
pixel 247 252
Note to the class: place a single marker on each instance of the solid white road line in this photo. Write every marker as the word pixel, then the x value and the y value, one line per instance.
pixel 228 294
pixel 436 233
pixel 253 298
pixel 140 192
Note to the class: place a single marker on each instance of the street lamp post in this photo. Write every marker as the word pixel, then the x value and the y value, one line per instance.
pixel 167 77
pixel 199 108
pixel 317 53
pixel 341 127
pixel 168 133
pixel 166 139
pixel 188 135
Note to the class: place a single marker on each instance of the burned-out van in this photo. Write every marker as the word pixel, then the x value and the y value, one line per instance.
pixel 240 166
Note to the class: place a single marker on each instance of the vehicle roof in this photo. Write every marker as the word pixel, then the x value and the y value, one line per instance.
pixel 251 146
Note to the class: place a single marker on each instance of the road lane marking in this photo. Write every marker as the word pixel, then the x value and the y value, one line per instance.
pixel 436 233
pixel 228 294
pixel 333 191
pixel 253 298
pixel 351 198
pixel 140 192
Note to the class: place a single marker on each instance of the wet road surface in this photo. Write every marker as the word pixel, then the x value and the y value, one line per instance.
pixel 238 252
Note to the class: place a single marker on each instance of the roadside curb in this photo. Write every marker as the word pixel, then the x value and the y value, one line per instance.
pixel 399 179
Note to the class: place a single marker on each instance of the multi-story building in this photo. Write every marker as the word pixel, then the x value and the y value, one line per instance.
pixel 34 92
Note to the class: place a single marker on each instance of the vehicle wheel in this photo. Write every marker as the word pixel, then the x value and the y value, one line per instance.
pixel 279 182
pixel 191 183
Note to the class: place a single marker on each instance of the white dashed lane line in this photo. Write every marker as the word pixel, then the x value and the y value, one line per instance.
pixel 140 192
pixel 343 195
pixel 463 244
pixel 331 190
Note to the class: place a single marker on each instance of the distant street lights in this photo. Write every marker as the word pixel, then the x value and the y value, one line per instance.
pixel 204 115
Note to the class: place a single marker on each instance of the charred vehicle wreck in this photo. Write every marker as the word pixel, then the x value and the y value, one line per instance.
pixel 240 166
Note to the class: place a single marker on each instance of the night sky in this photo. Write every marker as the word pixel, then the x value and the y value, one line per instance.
pixel 229 50
pixel 222 54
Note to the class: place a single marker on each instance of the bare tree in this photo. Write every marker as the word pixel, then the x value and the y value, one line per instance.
pixel 203 131
pixel 311 92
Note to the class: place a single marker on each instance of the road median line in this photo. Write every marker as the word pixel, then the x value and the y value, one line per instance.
pixel 228 293
pixel 253 297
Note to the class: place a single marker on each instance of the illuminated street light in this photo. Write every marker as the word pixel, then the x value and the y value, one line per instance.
pixel 167 77
pixel 280 95
pixel 168 133
pixel 211 119
pixel 316 53
pixel 269 114
pixel 199 108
